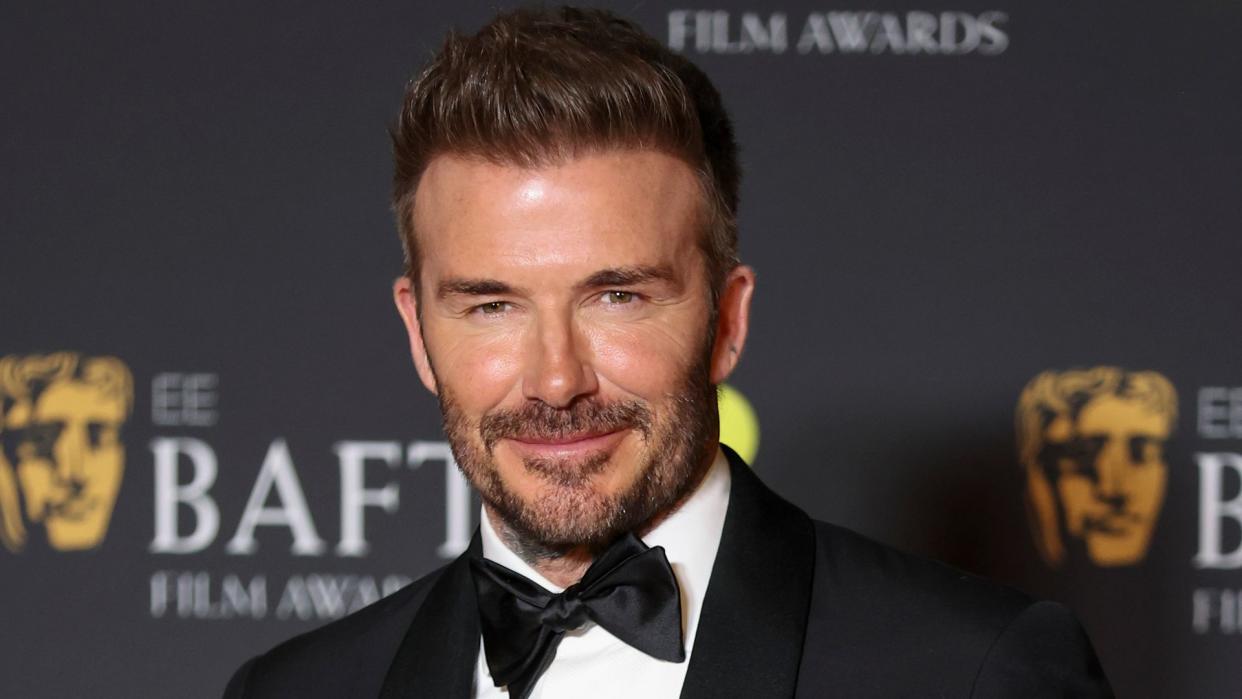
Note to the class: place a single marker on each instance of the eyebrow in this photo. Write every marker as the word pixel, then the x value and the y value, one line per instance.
pixel 472 287
pixel 617 276
pixel 628 276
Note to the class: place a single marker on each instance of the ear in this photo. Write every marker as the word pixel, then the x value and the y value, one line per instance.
pixel 732 322
pixel 407 305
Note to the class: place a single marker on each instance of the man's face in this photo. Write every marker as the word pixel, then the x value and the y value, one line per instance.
pixel 564 325
pixel 1112 491
pixel 70 460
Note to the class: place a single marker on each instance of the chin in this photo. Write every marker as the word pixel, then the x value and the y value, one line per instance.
pixel 566 514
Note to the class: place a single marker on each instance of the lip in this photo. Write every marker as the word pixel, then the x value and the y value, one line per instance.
pixel 1116 525
pixel 574 446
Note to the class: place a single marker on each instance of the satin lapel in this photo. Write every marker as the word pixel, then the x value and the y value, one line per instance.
pixel 438 654
pixel 749 640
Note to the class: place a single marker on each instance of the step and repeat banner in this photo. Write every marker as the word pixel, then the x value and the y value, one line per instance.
pixel 998 318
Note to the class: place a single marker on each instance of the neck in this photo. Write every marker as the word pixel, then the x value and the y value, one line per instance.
pixel 563 567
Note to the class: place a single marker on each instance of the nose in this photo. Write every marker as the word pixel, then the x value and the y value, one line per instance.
pixel 558 368
pixel 70 453
pixel 1111 466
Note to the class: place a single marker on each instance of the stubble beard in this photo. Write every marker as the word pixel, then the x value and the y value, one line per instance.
pixel 569 513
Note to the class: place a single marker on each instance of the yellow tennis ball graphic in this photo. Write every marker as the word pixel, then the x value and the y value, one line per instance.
pixel 739 428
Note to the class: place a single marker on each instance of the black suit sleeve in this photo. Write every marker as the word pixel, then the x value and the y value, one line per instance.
pixel 1043 652
pixel 236 688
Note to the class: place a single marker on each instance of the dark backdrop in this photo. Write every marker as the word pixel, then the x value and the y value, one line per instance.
pixel 201 189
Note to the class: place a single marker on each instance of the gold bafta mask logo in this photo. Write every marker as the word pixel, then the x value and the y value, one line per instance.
pixel 62 462
pixel 1091 443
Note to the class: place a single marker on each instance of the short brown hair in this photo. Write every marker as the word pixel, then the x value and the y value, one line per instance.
pixel 536 87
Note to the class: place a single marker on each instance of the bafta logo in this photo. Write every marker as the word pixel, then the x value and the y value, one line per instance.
pixel 1091 443
pixel 62 462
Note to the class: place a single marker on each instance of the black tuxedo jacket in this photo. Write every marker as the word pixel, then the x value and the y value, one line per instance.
pixel 794 608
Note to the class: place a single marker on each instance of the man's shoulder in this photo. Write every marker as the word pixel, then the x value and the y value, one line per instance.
pixel 874 608
pixel 878 576
pixel 348 657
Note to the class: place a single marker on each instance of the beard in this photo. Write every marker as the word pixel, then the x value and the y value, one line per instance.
pixel 569 512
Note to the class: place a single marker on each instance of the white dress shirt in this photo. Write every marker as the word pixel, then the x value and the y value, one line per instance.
pixel 590 661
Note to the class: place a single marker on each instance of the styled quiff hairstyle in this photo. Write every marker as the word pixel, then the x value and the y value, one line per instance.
pixel 538 87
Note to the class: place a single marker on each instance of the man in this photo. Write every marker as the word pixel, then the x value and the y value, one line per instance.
pixel 566 190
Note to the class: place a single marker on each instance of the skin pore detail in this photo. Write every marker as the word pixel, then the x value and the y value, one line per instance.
pixel 567 327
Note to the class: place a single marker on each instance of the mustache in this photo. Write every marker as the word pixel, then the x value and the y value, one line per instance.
pixel 540 421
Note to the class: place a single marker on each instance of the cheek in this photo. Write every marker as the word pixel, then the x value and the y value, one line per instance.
pixel 480 371
pixel 1075 493
pixel 1147 488
pixel 647 362
pixel 35 477
pixel 103 469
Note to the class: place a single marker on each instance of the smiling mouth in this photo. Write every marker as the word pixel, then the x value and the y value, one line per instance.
pixel 567 446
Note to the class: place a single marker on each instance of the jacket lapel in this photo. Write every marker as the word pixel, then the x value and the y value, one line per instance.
pixel 749 640
pixel 438 654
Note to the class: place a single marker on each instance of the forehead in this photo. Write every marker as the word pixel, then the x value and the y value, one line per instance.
pixel 76 399
pixel 1114 413
pixel 602 209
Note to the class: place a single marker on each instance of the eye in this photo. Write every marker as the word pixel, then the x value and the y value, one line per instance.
pixel 619 297
pixel 43 437
pixel 1144 450
pixel 491 308
pixel 101 434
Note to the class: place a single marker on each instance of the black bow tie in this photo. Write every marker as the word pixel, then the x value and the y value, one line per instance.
pixel 629 590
